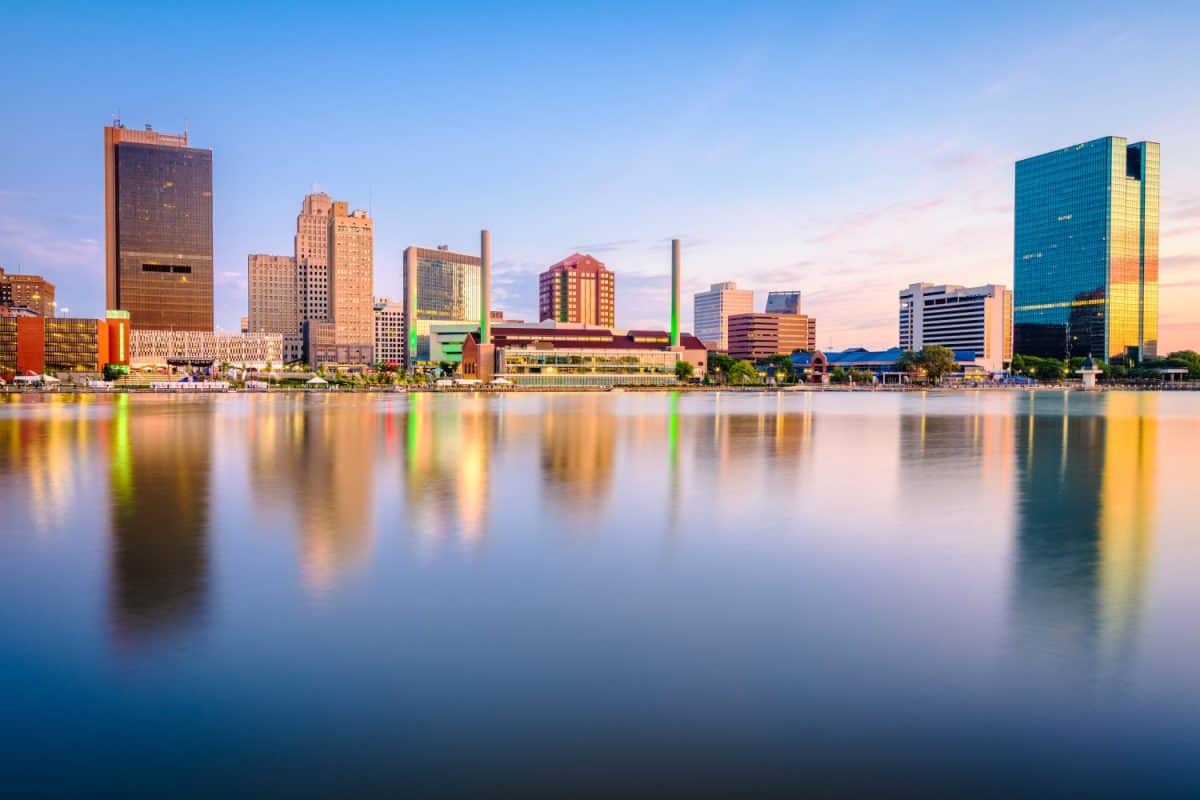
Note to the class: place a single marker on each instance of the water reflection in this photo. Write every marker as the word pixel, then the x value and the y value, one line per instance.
pixel 159 472
pixel 1085 528
pixel 447 458
pixel 312 456
pixel 578 443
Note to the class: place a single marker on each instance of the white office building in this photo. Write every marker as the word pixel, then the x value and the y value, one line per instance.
pixel 713 308
pixel 960 318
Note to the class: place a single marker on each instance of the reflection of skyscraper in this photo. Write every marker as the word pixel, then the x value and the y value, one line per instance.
pixel 159 487
pixel 1085 517
pixel 315 456
pixel 577 451
pixel 1127 516
pixel 447 459
pixel 1086 251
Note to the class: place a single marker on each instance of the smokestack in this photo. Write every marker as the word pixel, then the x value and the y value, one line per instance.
pixel 485 287
pixel 410 308
pixel 675 267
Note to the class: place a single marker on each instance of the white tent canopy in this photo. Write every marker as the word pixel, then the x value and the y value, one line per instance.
pixel 316 381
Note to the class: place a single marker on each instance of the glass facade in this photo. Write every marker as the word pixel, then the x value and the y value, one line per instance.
pixel 587 367
pixel 1085 257
pixel 164 236
pixel 448 286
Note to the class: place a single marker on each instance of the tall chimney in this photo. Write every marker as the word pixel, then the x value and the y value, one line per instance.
pixel 675 266
pixel 410 308
pixel 485 287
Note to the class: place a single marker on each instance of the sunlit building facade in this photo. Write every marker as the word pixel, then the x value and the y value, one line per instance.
pixel 31 292
pixel 577 289
pixel 711 311
pixel 1085 258
pixel 535 355
pixel 978 319
pixel 273 300
pixel 158 229
pixel 158 348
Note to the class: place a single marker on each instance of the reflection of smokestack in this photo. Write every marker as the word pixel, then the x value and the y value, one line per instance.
pixel 485 287
pixel 410 308
pixel 675 266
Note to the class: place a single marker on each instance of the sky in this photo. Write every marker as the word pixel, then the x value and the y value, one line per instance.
pixel 842 149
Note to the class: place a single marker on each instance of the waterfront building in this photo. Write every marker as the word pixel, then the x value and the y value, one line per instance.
pixel 783 302
pixel 27 291
pixel 312 256
pixel 816 365
pixel 577 289
pixel 63 344
pixel 1085 258
pixel 158 229
pixel 273 291
pixel 160 348
pixel 389 332
pixel 753 336
pixel 977 319
pixel 440 286
pixel 351 276
pixel 711 311
pixel 579 355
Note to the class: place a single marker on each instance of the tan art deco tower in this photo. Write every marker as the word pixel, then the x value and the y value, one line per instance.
pixel 351 275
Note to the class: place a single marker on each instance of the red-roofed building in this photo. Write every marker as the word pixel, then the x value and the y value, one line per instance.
pixel 577 289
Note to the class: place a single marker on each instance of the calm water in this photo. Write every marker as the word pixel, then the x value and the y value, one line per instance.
pixel 574 594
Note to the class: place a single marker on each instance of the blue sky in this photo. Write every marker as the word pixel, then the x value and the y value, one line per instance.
pixel 841 149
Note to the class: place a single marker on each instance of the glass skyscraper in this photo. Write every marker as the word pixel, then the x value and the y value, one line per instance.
pixel 1085 257
pixel 159 231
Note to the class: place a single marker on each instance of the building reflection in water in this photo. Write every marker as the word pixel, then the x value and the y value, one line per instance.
pixel 49 447
pixel 1085 528
pixel 755 443
pixel 448 448
pixel 314 455
pixel 159 473
pixel 578 443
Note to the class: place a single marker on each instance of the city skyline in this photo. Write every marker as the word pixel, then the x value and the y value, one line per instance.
pixel 920 188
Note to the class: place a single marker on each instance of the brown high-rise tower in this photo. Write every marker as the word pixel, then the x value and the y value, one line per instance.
pixel 158 229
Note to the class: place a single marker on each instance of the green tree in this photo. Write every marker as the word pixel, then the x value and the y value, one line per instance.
pixel 684 371
pixel 742 373
pixel 910 363
pixel 862 376
pixel 1017 367
pixel 785 370
pixel 936 361
pixel 839 375
pixel 1049 370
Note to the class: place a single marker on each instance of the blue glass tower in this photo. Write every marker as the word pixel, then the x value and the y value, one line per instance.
pixel 1085 255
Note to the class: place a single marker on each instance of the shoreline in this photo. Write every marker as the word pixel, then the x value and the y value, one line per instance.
pixel 793 389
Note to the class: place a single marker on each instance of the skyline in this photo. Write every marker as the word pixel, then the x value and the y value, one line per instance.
pixel 837 152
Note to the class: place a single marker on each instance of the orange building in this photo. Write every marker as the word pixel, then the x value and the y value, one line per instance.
pixel 754 336
pixel 63 344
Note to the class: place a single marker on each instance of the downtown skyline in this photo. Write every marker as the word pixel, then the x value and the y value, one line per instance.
pixel 888 162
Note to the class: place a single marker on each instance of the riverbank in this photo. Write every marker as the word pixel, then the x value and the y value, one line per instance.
pixel 479 389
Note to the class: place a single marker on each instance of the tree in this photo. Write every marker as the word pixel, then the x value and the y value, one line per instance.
pixel 1017 367
pixel 839 375
pixel 1050 370
pixel 862 376
pixel 936 361
pixel 684 371
pixel 719 365
pixel 908 362
pixel 742 373
pixel 785 370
